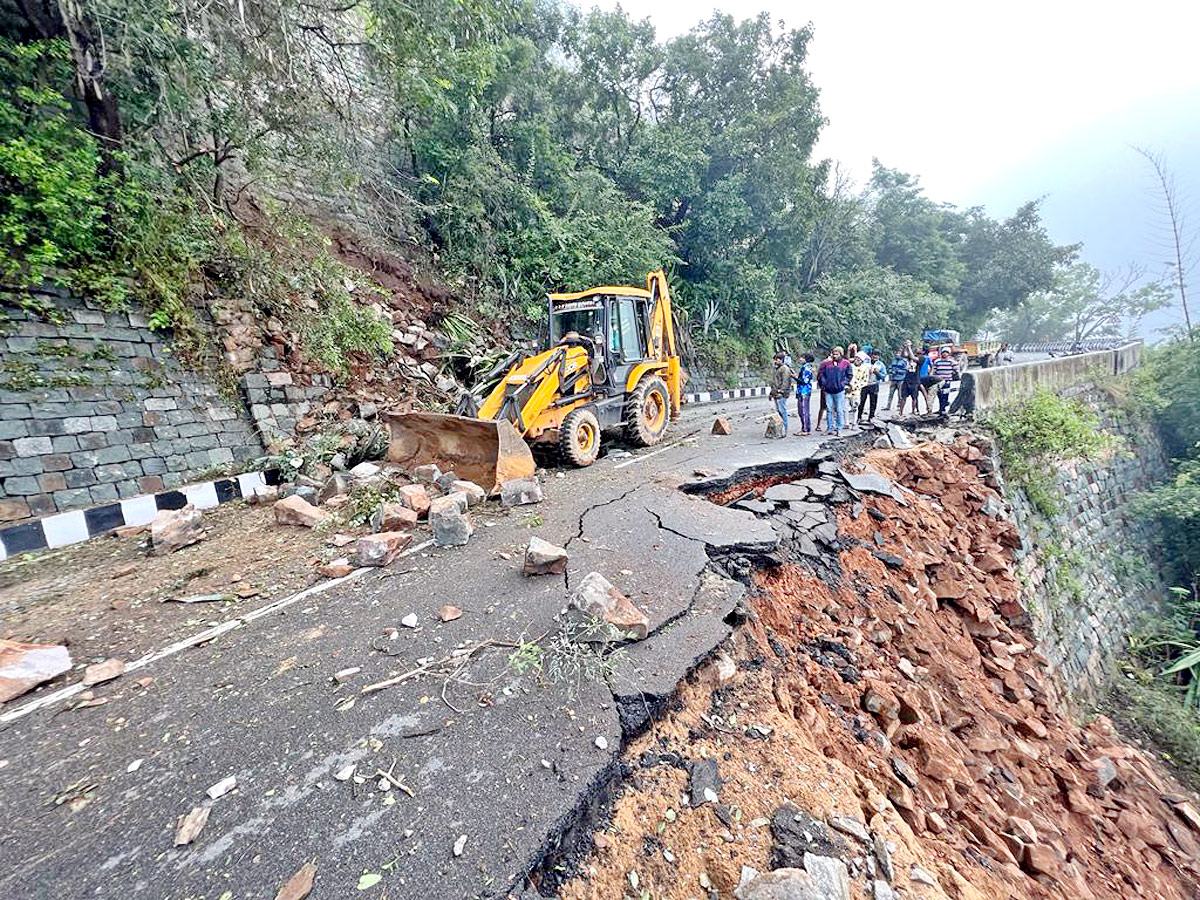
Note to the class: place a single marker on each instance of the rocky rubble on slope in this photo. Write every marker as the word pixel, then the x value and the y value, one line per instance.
pixel 888 711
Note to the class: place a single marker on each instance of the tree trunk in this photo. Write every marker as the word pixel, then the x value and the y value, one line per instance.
pixel 104 118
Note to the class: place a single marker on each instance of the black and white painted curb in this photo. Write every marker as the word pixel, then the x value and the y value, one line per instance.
pixel 81 524
pixel 719 396
pixel 78 525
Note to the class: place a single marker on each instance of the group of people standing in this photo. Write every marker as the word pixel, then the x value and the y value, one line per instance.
pixel 848 383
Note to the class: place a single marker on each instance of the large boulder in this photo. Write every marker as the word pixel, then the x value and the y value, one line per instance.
pixel 721 426
pixel 173 529
pixel 295 510
pixel 609 614
pixel 543 558
pixel 448 520
pixel 774 427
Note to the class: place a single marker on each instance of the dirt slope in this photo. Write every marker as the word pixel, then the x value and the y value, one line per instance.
pixel 904 693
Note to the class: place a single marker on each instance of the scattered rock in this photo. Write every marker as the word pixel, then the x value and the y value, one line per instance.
pixel 774 427
pixel 474 493
pixel 829 876
pixel 365 470
pixel 449 613
pixel 100 672
pixel 24 666
pixel 295 510
pixel 449 521
pixel 264 494
pixel 601 743
pixel 521 492
pixel 122 571
pixel 339 568
pixel 345 773
pixel 721 426
pixel 380 549
pixel 393 517
pixel 456 502
pixel 781 884
pixel 881 890
pixel 427 474
pixel 305 492
pixel 300 885
pixel 173 529
pixel 460 844
pixel 191 825
pixel 222 787
pixel 850 826
pixel 544 558
pixel 899 438
pixel 415 497
pixel 444 481
pixel 410 621
pixel 603 603
pixel 704 781
pixel 336 484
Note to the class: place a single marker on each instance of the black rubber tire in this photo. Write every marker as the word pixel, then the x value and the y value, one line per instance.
pixel 579 437
pixel 639 427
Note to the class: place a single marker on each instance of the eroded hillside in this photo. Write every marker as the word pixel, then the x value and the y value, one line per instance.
pixel 884 726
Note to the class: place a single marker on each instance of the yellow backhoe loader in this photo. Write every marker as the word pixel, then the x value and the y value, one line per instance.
pixel 611 363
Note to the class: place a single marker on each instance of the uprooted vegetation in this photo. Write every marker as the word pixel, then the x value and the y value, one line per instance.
pixel 885 708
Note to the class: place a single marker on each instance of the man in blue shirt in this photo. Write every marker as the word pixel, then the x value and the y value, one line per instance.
pixel 804 386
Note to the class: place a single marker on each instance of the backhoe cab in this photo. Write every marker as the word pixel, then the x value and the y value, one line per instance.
pixel 610 363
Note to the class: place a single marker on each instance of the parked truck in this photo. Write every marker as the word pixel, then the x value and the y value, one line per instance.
pixel 979 354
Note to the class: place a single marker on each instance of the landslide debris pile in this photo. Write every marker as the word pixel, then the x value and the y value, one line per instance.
pixel 884 727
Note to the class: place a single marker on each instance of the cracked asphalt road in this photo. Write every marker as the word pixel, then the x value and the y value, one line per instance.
pixel 497 755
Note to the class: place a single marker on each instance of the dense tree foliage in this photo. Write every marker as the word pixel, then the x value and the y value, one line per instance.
pixel 525 146
pixel 1082 303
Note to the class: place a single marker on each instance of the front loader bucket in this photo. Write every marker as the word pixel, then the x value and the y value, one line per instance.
pixel 485 451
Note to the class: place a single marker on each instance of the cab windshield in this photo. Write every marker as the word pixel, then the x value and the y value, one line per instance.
pixel 584 317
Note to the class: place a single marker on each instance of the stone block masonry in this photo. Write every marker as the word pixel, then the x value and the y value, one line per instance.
pixel 97 408
pixel 1090 571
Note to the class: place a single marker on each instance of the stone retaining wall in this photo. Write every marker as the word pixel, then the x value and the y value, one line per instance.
pixel 1090 572
pixel 98 408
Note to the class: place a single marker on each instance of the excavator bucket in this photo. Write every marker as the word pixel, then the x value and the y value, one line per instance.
pixel 487 452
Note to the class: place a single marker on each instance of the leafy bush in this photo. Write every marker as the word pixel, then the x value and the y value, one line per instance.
pixel 1141 703
pixel 53 203
pixel 1037 433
